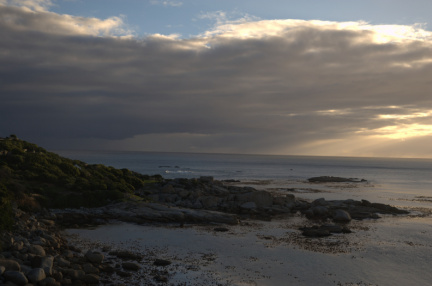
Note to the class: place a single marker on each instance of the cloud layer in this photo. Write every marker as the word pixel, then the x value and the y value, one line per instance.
pixel 247 86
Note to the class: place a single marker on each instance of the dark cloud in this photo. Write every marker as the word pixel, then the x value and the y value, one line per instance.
pixel 271 92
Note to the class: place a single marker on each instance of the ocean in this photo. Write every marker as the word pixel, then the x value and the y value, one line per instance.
pixel 394 179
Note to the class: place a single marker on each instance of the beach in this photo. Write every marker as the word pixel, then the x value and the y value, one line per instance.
pixel 391 250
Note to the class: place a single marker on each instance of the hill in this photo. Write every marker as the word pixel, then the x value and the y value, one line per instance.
pixel 31 177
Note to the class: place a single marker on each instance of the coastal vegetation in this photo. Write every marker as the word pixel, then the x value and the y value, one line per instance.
pixel 31 177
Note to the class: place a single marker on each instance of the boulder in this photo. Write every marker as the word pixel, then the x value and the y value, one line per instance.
pixel 341 216
pixel 94 257
pixel 320 211
pixel 162 262
pixel 2 270
pixel 248 206
pixel 16 277
pixel 10 265
pixel 91 279
pixel 131 266
pixel 209 202
pixel 37 250
pixel 262 199
pixel 43 262
pixel 90 269
pixel 35 275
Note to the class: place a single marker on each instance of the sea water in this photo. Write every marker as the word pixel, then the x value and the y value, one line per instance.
pixel 403 175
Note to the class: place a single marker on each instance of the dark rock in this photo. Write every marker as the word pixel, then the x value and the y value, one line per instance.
pixel 162 262
pixel 341 216
pixel 94 257
pixel 126 255
pixel 123 274
pixel 161 278
pixel 10 265
pixel 131 266
pixel 16 277
pixel 46 263
pixel 36 274
pixel 221 229
pixel 331 179
pixel 315 232
pixel 91 279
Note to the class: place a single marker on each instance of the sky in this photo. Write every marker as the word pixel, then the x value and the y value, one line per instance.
pixel 326 78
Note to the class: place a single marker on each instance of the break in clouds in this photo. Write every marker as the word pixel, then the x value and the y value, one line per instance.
pixel 275 87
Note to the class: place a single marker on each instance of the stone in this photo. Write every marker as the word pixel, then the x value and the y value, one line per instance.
pixel 262 199
pixel 90 269
pixel 320 211
pixel 91 279
pixel 341 216
pixel 221 229
pixel 94 257
pixel 162 262
pixel 46 263
pixel 123 274
pixel 37 250
pixel 62 262
pixel 16 277
pixel 206 179
pixel 248 206
pixel 36 274
pixel 315 232
pixel 209 202
pixel 2 270
pixel 50 281
pixel 131 266
pixel 10 265
pixel 126 255
pixel 74 274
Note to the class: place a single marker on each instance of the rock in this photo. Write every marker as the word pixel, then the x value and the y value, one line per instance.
pixel 10 265
pixel 262 199
pixel 248 206
pixel 284 200
pixel 50 281
pixel 37 250
pixel 161 278
pixel 331 179
pixel 124 274
pixel 90 269
pixel 162 262
pixel 74 274
pixel 62 262
pixel 36 274
pixel 341 216
pixel 320 211
pixel 16 277
pixel 2 270
pixel 315 232
pixel 43 262
pixel 209 202
pixel 221 229
pixel 94 257
pixel 126 255
pixel 206 179
pixel 131 266
pixel 91 279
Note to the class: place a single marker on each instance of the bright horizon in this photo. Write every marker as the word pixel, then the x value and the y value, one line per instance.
pixel 232 77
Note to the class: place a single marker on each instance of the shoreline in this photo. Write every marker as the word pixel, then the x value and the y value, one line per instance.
pixel 76 263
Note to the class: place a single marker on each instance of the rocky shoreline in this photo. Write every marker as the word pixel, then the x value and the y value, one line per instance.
pixel 37 252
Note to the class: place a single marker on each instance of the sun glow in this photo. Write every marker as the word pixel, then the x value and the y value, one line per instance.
pixel 401 132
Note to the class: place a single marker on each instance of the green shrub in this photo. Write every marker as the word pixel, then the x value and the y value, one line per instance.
pixel 6 213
